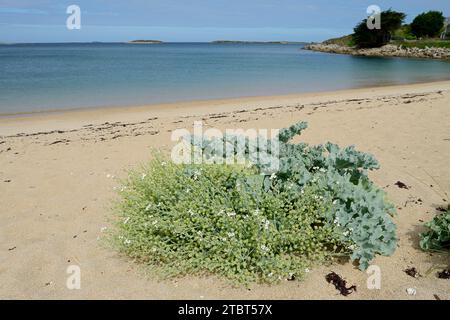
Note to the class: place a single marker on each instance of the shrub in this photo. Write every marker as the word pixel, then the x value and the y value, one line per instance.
pixel 364 37
pixel 249 222
pixel 404 33
pixel 437 238
pixel 428 24
pixel 210 219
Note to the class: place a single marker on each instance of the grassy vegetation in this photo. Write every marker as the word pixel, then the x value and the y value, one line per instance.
pixel 422 44
pixel 346 41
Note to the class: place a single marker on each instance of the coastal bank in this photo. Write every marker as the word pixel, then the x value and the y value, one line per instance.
pixel 388 50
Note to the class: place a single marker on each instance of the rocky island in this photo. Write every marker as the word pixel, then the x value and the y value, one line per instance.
pixel 145 42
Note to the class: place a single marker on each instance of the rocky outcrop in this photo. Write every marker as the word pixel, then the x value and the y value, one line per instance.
pixel 385 51
pixel 145 42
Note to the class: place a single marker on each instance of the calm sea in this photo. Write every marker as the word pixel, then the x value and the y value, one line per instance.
pixel 37 77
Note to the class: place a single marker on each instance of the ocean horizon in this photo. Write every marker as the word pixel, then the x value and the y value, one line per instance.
pixel 58 76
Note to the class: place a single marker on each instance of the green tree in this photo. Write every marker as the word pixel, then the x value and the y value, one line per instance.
pixel 404 33
pixel 364 37
pixel 428 24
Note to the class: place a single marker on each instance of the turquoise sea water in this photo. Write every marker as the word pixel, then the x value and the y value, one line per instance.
pixel 36 77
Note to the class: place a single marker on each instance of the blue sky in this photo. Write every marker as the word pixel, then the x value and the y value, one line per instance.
pixel 193 20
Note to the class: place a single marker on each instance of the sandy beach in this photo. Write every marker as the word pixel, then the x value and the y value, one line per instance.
pixel 58 171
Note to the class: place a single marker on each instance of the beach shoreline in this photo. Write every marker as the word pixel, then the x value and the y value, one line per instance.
pixel 238 99
pixel 29 121
pixel 59 172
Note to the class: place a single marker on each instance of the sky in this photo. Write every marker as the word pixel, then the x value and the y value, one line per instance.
pixel 193 20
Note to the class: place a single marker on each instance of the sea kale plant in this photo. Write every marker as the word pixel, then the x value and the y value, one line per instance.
pixel 437 237
pixel 358 208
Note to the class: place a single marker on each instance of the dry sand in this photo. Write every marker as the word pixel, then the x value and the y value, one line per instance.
pixel 58 171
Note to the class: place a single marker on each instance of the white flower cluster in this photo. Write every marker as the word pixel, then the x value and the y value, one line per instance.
pixel 196 174
pixel 230 235
pixel 265 223
pixel 320 169
pixel 336 221
pixel 265 249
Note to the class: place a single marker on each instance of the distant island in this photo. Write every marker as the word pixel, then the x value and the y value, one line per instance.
pixel 145 42
pixel 253 42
